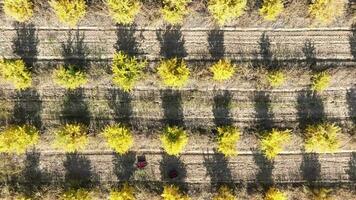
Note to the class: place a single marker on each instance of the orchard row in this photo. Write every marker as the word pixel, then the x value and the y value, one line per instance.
pixel 71 12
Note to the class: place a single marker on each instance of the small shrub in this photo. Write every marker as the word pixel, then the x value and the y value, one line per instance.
pixel 173 11
pixel 222 70
pixel 17 139
pixel 272 144
pixel 326 11
pixel 123 11
pixel 320 81
pixel 127 70
pixel 69 12
pixel 69 77
pixel 318 193
pixel 224 11
pixel 16 73
pixel 225 194
pixel 119 138
pixel 174 72
pixel 174 140
pixel 276 78
pixel 71 138
pixel 322 138
pixel 20 10
pixel 172 193
pixel 125 193
pixel 275 194
pixel 80 194
pixel 271 9
pixel 227 139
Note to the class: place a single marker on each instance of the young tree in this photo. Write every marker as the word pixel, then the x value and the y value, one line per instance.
pixel 275 194
pixel 71 138
pixel 69 12
pixel 276 78
pixel 224 11
pixel 225 194
pixel 20 10
pixel 174 140
pixel 119 138
pixel 79 194
pixel 125 193
pixel 326 11
pixel 271 9
pixel 69 77
pixel 123 11
pixel 222 70
pixel 174 72
pixel 16 73
pixel 272 143
pixel 17 139
pixel 228 136
pixel 320 81
pixel 174 11
pixel 172 193
pixel 322 138
pixel 127 70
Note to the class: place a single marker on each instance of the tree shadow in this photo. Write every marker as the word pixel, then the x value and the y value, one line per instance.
pixel 79 172
pixel 75 108
pixel 218 169
pixel 171 164
pixel 120 103
pixel 265 169
pixel 310 109
pixel 25 43
pixel 352 167
pixel 221 108
pixel 309 52
pixel 263 114
pixel 310 168
pixel 172 108
pixel 126 40
pixel 352 41
pixel 172 42
pixel 351 101
pixel 27 108
pixel 75 51
pixel 216 44
pixel 124 166
pixel 265 51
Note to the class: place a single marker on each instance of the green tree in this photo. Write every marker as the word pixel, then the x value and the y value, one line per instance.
pixel 224 11
pixel 17 139
pixel 119 138
pixel 174 72
pixel 69 12
pixel 127 70
pixel 123 11
pixel 71 138
pixel 20 10
pixel 16 73
pixel 174 140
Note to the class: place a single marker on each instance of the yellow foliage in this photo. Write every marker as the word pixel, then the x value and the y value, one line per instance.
pixel 119 138
pixel 69 12
pixel 225 194
pixel 174 140
pixel 271 9
pixel 322 138
pixel 174 72
pixel 71 138
pixel 275 194
pixel 16 73
pixel 125 193
pixel 222 70
pixel 20 10
pixel 326 11
pixel 80 194
pixel 276 78
pixel 320 81
pixel 123 11
pixel 272 144
pixel 127 70
pixel 226 10
pixel 172 193
pixel 69 77
pixel 173 11
pixel 228 136
pixel 17 139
